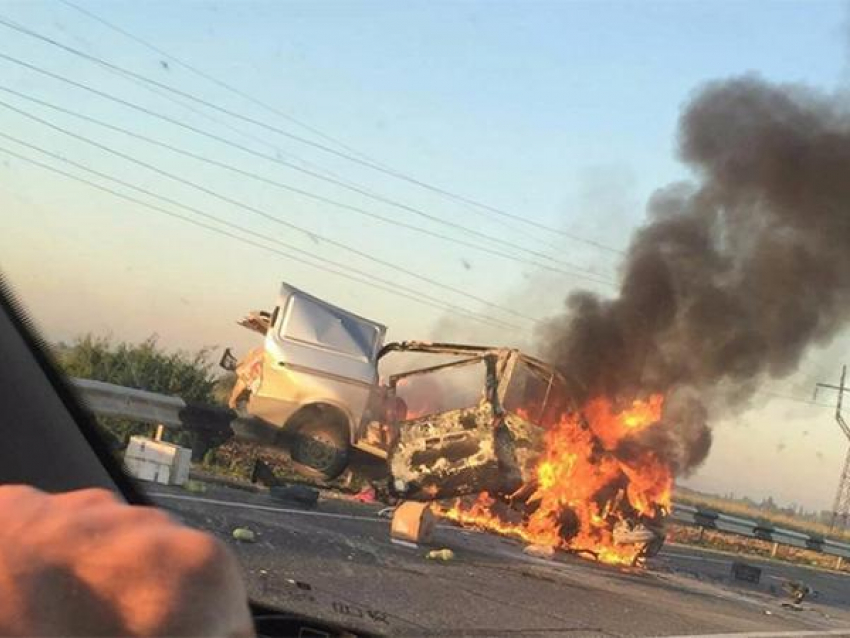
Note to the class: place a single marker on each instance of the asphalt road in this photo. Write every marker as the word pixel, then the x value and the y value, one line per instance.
pixel 337 562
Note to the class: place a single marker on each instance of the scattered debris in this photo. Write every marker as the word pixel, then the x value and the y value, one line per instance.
pixel 767 612
pixel 797 590
pixel 444 554
pixel 347 479
pixel 263 474
pixel 540 551
pixel 366 495
pixel 407 544
pixel 299 584
pixel 413 522
pixel 244 535
pixel 746 573
pixel 387 512
pixel 195 486
pixel 157 461
pixel 301 494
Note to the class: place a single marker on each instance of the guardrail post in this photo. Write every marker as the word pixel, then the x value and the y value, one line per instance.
pixel 701 533
pixel 774 550
pixel 839 562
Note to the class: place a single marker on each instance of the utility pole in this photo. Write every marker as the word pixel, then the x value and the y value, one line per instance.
pixel 841 506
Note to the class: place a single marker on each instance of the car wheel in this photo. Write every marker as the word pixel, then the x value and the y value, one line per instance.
pixel 320 448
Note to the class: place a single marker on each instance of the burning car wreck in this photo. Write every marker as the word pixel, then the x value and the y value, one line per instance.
pixel 501 426
pixel 491 435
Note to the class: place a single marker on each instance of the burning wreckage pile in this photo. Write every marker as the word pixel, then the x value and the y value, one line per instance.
pixel 729 283
pixel 584 495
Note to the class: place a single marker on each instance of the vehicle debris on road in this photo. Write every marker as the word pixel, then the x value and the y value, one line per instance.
pixel 540 551
pixel 366 495
pixel 413 522
pixel 244 535
pixel 195 486
pixel 798 590
pixel 444 554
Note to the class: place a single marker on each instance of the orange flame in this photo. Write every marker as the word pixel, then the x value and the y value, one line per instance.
pixel 583 488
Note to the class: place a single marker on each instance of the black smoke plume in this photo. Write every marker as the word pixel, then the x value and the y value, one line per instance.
pixel 733 276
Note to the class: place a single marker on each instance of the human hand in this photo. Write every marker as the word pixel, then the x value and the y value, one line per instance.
pixel 84 563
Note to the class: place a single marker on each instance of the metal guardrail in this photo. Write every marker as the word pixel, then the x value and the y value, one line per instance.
pixel 108 399
pixel 760 529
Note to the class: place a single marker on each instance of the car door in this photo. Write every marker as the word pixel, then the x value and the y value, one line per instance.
pixel 315 353
pixel 312 335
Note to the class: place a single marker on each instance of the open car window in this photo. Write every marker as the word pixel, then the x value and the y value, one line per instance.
pixel 442 389
pixel 528 392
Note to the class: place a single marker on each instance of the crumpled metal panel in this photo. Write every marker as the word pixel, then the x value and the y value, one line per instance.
pixel 528 444
pixel 249 372
pixel 452 454
pixel 256 320
pixel 317 336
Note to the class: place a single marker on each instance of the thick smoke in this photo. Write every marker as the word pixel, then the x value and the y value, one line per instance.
pixel 734 276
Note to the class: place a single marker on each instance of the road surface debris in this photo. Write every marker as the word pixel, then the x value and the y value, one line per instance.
pixel 540 551
pixel 244 535
pixel 413 522
pixel 440 554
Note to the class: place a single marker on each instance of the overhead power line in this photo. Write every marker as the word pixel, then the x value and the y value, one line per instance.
pixel 306 258
pixel 165 118
pixel 576 270
pixel 276 183
pixel 277 220
pixel 210 78
pixel 298 138
pixel 265 142
pixel 265 105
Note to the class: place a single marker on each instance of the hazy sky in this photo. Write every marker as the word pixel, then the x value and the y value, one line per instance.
pixel 562 113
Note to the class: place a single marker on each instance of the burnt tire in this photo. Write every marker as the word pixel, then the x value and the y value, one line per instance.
pixel 320 448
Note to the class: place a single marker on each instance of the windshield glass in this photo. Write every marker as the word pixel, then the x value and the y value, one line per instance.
pixel 222 215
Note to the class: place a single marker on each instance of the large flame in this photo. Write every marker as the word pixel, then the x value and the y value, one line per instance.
pixel 582 488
